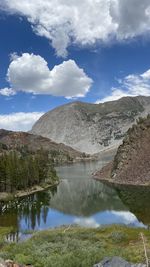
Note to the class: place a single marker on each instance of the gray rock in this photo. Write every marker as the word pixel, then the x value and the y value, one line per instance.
pixel 2 263
pixel 117 262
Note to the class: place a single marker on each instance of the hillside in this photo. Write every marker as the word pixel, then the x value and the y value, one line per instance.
pixel 131 165
pixel 92 128
pixel 22 141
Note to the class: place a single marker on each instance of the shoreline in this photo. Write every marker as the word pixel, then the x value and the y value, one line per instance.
pixel 104 175
pixel 114 183
pixel 4 196
pixel 77 160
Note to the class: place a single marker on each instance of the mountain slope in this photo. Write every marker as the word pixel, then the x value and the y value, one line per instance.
pixel 131 165
pixel 92 128
pixel 22 140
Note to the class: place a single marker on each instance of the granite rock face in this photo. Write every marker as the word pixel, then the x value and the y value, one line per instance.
pixel 92 128
pixel 117 262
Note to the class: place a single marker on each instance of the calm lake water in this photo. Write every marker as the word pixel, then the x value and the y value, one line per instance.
pixel 78 199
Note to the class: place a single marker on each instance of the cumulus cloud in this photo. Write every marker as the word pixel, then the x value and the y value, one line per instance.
pixel 19 121
pixel 7 91
pixel 131 85
pixel 30 73
pixel 85 22
pixel 132 17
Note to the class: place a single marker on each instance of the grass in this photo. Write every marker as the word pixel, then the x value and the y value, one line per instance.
pixel 3 232
pixel 78 247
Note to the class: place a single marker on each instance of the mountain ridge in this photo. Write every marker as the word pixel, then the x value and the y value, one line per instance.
pixel 92 128
pixel 14 140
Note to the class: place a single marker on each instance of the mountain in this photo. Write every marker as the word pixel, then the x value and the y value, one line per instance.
pixel 22 141
pixel 92 128
pixel 131 164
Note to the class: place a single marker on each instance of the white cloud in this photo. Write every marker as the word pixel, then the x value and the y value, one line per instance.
pixel 131 85
pixel 30 73
pixel 131 16
pixel 85 22
pixel 86 222
pixel 127 217
pixel 7 91
pixel 19 121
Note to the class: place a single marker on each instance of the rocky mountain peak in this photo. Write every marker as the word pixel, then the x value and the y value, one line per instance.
pixel 92 128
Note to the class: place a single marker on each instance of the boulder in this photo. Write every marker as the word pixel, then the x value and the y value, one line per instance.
pixel 2 263
pixel 10 263
pixel 117 262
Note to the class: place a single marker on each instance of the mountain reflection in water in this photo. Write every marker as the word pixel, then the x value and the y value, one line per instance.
pixel 77 199
pixel 137 199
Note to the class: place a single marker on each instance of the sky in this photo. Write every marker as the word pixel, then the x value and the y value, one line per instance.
pixel 53 52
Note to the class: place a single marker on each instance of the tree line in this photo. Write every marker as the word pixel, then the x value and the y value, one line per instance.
pixel 21 171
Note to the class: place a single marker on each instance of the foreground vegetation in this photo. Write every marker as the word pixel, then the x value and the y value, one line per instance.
pixel 22 170
pixel 77 247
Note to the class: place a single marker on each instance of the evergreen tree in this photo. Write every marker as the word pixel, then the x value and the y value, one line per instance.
pixel 19 171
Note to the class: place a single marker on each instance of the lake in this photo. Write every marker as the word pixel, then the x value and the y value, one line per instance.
pixel 78 199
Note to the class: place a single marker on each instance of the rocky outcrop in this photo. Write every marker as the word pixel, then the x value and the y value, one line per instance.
pixel 117 262
pixel 92 128
pixel 131 165
pixel 22 141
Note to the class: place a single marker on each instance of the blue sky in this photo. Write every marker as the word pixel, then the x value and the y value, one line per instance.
pixel 51 53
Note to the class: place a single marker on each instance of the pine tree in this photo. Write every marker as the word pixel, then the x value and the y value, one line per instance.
pixel 22 170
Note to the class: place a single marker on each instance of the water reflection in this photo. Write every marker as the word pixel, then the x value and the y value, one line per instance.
pixel 137 199
pixel 30 209
pixel 80 195
pixel 77 200
pixel 85 197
